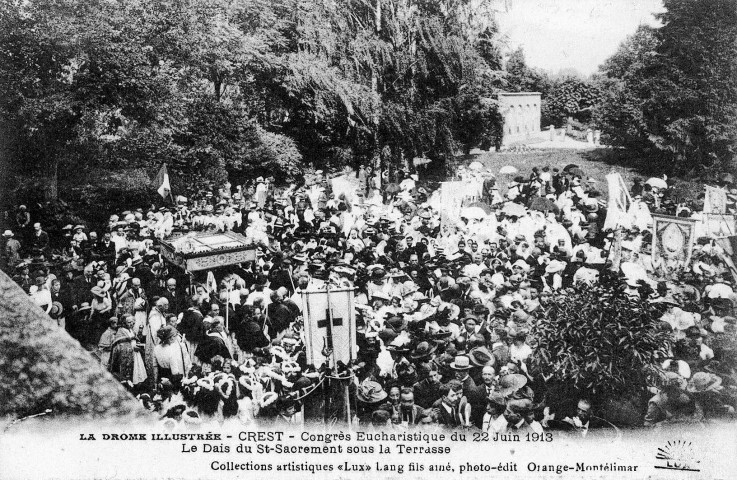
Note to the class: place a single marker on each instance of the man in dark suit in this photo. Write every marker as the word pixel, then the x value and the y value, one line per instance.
pixel 82 286
pixel 584 421
pixel 104 249
pixel 427 390
pixel 448 407
pixel 40 241
pixel 177 304
pixel 407 413
pixel 279 315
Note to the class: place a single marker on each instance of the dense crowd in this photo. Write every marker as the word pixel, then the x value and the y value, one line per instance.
pixel 445 306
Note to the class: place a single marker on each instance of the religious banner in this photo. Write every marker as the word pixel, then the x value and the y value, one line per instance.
pixel 673 239
pixel 330 323
pixel 619 202
pixel 715 200
pixel 343 185
pixel 455 195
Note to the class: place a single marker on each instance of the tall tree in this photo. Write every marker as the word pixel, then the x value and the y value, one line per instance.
pixel 679 85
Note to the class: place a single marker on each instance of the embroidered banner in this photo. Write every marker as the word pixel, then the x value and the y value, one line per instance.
pixel 330 323
pixel 673 239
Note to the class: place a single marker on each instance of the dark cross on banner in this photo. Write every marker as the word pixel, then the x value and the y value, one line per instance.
pixel 326 324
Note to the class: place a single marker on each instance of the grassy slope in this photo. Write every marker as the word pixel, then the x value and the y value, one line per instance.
pixel 596 164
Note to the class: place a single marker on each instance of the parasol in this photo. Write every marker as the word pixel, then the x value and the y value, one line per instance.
pixel 476 166
pixel 657 183
pixel 473 213
pixel 514 210
pixel 508 170
pixel 576 171
pixel 570 166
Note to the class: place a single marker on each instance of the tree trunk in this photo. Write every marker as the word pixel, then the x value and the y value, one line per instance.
pixel 375 89
pixel 51 192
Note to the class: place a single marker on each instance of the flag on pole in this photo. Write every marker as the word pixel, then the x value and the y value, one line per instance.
pixel 162 182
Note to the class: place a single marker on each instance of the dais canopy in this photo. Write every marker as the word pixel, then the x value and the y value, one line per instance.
pixel 204 251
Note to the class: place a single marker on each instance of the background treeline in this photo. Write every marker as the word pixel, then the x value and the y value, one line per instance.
pixel 107 91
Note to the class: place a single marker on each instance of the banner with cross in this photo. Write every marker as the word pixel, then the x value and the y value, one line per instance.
pixel 329 324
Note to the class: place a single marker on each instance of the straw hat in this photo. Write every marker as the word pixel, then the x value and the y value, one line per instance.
pixel 370 392
pixel 704 382
pixel 461 363
pixel 509 384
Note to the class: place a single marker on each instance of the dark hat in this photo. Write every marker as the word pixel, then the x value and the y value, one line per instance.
pixel 166 333
pixel 378 274
pixel 444 360
pixel 397 323
pixel 387 335
pixel 422 350
pixel 480 356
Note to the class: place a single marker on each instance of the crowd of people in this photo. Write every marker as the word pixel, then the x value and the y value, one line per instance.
pixel 445 305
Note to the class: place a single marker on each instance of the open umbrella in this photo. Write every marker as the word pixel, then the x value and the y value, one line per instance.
pixel 476 166
pixel 720 290
pixel 657 183
pixel 576 171
pixel 483 206
pixel 542 204
pixel 508 170
pixel 473 213
pixel 570 166
pixel 514 210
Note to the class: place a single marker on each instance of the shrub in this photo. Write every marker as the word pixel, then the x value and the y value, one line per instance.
pixel 599 341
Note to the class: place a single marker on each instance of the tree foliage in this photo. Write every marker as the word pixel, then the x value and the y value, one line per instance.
pixel 599 340
pixel 237 87
pixel 570 98
pixel 672 91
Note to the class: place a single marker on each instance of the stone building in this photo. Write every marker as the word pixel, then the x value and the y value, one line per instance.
pixel 521 112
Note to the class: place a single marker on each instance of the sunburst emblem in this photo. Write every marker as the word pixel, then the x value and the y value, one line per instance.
pixel 679 455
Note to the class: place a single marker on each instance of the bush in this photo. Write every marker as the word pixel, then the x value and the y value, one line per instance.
pixel 599 341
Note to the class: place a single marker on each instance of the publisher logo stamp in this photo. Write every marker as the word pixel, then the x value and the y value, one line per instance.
pixel 678 455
